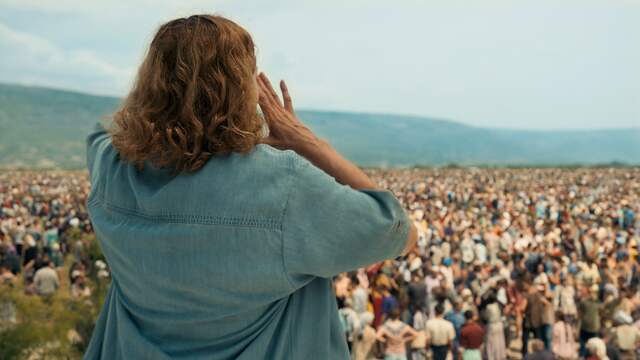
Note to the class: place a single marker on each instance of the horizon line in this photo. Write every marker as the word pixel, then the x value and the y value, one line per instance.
pixel 340 111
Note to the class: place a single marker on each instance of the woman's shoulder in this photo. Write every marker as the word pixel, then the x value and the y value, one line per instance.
pixel 262 159
pixel 288 156
pixel 270 159
pixel 270 152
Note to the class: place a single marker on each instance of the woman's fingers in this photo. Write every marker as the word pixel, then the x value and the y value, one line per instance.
pixel 280 119
pixel 270 94
pixel 273 114
pixel 268 113
pixel 266 84
pixel 286 97
pixel 263 93
pixel 265 100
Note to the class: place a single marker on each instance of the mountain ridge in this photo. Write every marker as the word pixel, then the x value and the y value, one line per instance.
pixel 45 128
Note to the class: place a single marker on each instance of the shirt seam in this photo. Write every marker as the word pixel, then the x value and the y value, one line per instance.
pixel 282 222
pixel 189 218
pixel 404 227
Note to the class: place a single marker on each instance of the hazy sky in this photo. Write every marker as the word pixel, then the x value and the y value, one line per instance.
pixel 539 64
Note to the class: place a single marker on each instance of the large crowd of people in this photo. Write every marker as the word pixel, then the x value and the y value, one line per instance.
pixel 510 263
pixel 42 221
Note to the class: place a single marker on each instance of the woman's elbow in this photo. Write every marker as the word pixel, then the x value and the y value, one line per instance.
pixel 412 239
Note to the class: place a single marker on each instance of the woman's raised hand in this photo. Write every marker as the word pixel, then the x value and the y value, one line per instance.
pixel 286 131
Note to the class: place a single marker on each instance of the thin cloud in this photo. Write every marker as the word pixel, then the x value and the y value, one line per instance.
pixel 30 58
pixel 529 64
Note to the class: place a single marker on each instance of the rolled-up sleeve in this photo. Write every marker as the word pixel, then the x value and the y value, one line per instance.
pixel 330 228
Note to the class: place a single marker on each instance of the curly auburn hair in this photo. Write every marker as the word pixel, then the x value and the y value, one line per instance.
pixel 194 97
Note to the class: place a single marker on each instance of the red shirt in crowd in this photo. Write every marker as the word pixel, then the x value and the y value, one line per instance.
pixel 471 335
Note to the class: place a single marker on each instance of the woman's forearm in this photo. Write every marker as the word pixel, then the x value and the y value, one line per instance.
pixel 324 156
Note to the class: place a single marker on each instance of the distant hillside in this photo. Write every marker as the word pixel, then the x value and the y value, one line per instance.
pixel 42 127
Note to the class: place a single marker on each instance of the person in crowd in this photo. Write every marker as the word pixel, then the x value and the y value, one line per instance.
pixel 419 344
pixel 7 278
pixel 625 337
pixel 350 322
pixel 55 254
pixel 468 301
pixel 363 343
pixel 563 342
pixel 360 296
pixel 538 351
pixel 589 310
pixel 376 304
pixel 389 302
pixel 395 334
pixel 564 296
pixel 417 292
pixel 440 334
pixel 46 280
pixel 514 310
pixel 456 317
pixel 596 349
pixel 472 337
pixel 341 284
pixel 533 316
pixel 79 288
pixel 547 316
pixel 8 313
pixel 495 347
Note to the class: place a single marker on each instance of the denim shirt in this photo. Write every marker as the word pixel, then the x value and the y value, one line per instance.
pixel 233 261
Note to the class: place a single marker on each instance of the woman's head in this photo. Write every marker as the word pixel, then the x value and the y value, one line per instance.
pixel 394 314
pixel 195 96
